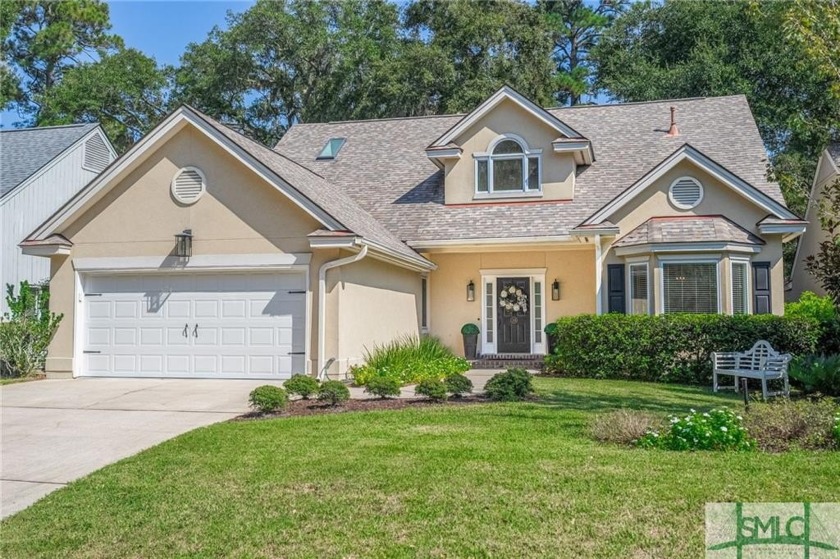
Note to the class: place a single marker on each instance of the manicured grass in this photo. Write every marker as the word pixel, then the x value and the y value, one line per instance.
pixel 6 380
pixel 495 480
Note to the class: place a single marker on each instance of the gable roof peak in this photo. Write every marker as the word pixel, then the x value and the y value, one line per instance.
pixel 506 92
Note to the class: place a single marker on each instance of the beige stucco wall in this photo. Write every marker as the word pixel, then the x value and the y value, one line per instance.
pixel 558 170
pixel 376 302
pixel 809 243
pixel 239 214
pixel 573 267
pixel 718 199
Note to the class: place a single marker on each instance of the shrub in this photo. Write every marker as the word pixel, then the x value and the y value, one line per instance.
pixel 822 311
pixel 667 348
pixel 469 329
pixel 512 385
pixel 623 426
pixel 409 360
pixel 458 385
pixel 812 306
pixel 383 387
pixel 817 373
pixel 334 392
pixel 793 425
pixel 26 330
pixel 302 385
pixel 432 389
pixel 829 342
pixel 718 429
pixel 836 430
pixel 268 398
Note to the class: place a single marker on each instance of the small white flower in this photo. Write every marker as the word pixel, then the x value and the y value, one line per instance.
pixel 503 293
pixel 724 429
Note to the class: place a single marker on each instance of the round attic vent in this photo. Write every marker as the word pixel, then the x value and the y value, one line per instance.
pixel 685 193
pixel 188 185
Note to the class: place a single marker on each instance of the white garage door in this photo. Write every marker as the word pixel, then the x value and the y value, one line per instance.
pixel 195 325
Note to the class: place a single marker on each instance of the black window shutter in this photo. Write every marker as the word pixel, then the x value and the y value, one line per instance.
pixel 615 289
pixel 761 288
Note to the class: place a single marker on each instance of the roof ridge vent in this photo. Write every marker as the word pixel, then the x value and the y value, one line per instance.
pixel 673 131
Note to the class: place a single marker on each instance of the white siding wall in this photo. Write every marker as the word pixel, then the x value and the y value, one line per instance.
pixel 27 207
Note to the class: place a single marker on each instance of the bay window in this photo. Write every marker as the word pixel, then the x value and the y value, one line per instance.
pixel 509 168
pixel 690 287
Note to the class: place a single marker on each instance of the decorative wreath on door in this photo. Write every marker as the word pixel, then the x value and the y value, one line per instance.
pixel 513 299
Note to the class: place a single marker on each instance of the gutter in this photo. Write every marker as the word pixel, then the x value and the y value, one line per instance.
pixel 322 301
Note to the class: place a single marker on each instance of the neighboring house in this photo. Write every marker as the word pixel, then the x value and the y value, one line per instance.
pixel 828 171
pixel 40 169
pixel 350 234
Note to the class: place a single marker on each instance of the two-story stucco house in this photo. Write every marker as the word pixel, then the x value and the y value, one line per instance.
pixel 40 169
pixel 349 234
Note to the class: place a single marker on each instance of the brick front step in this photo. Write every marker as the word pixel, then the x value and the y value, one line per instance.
pixel 507 361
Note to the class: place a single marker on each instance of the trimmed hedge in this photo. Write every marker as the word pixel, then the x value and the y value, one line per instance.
pixel 667 348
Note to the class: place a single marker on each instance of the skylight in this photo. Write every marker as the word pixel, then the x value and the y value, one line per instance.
pixel 330 150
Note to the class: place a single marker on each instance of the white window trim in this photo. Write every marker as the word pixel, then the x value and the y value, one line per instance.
pixel 527 153
pixel 492 276
pixel 425 328
pixel 688 260
pixel 686 206
pixel 747 283
pixel 180 172
pixel 630 265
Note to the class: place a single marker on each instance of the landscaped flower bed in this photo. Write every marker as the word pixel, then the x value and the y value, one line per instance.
pixel 409 360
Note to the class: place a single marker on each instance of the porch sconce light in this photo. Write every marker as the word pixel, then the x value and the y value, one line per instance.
pixel 555 290
pixel 471 291
pixel 183 244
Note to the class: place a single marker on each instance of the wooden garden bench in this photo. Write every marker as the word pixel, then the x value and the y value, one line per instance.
pixel 761 362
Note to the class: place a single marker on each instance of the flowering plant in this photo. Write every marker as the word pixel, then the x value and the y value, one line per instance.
pixel 718 429
pixel 513 299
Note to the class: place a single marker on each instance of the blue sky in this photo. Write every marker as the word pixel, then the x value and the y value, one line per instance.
pixel 162 29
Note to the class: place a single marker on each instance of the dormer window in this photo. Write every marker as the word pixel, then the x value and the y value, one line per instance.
pixel 509 167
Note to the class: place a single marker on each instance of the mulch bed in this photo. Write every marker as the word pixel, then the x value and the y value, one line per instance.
pixel 314 407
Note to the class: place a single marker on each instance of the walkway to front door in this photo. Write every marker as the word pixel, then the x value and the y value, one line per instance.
pixel 514 316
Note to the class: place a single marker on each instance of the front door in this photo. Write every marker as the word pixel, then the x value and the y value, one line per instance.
pixel 514 315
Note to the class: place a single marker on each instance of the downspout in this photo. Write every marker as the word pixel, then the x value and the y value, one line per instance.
pixel 598 273
pixel 322 302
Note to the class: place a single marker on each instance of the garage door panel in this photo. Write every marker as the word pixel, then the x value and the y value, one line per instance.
pixel 205 308
pixel 152 363
pixel 125 363
pixel 178 364
pixel 178 310
pixel 261 336
pixel 222 325
pixel 234 308
pixel 233 337
pixel 125 336
pixel 151 336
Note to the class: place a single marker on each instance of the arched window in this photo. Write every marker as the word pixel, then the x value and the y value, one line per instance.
pixel 508 167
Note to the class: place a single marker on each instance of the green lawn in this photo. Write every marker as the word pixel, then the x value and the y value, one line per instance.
pixel 512 480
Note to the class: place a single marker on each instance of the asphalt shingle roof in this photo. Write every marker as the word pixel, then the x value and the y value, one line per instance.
pixel 333 200
pixel 686 230
pixel 23 151
pixel 383 165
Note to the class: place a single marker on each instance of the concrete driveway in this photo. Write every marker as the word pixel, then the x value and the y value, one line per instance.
pixel 55 431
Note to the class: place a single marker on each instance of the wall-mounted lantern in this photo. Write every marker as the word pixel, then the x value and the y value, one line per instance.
pixel 555 290
pixel 183 244
pixel 471 291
